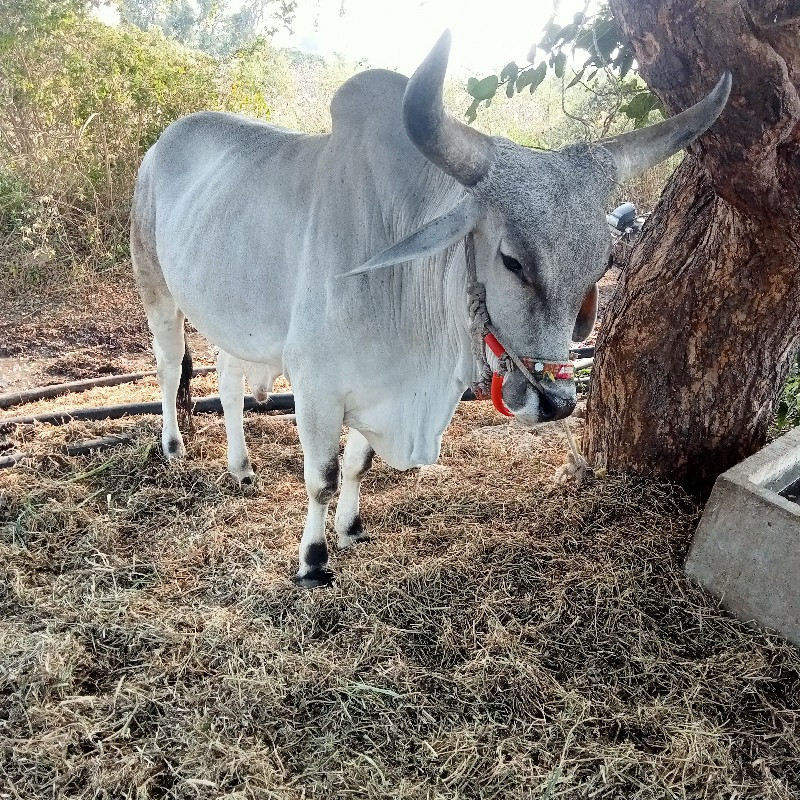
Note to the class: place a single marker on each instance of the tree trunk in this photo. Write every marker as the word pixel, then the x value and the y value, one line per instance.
pixel 699 336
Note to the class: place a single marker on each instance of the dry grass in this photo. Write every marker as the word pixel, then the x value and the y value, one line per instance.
pixel 498 638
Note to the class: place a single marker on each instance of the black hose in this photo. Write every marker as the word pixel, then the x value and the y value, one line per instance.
pixel 11 459
pixel 90 445
pixel 75 449
pixel 56 390
pixel 282 403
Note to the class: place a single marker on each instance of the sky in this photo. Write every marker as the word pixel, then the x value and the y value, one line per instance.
pixel 397 34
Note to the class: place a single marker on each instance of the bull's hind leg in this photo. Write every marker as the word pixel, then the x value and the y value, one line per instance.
pixel 165 320
pixel 319 423
pixel 173 370
pixel 230 376
pixel 356 462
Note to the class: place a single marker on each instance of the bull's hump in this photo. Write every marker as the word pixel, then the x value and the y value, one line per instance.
pixel 373 95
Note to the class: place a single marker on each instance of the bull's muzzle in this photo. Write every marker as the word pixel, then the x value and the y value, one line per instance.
pixel 546 402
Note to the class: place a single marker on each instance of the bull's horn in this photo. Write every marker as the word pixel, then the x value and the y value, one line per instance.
pixel 639 150
pixel 457 149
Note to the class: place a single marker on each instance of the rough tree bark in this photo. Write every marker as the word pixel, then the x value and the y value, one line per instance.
pixel 700 333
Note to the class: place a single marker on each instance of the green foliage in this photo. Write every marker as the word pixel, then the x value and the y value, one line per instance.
pixel 788 414
pixel 84 102
pixel 301 86
pixel 14 203
pixel 250 72
pixel 218 27
pixel 641 104
pixel 125 74
pixel 30 19
pixel 605 52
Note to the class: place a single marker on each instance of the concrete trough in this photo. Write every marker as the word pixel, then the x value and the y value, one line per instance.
pixel 747 548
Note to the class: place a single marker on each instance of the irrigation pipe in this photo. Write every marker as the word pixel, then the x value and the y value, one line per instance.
pixel 75 449
pixel 12 458
pixel 58 389
pixel 282 403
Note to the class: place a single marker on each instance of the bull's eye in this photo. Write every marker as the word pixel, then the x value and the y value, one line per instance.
pixel 512 264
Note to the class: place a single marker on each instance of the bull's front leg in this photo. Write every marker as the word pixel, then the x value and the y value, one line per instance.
pixel 356 462
pixel 319 424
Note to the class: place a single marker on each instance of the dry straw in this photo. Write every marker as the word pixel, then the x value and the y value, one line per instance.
pixel 499 637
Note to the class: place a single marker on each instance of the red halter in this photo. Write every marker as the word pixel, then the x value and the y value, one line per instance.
pixel 543 371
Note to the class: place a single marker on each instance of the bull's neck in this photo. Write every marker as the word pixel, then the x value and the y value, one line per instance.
pixel 435 291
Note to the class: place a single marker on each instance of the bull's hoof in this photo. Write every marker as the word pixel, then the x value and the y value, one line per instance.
pixel 243 474
pixel 354 534
pixel 314 578
pixel 248 484
pixel 343 542
pixel 173 449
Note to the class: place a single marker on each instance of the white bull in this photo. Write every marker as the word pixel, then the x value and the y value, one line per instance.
pixel 249 230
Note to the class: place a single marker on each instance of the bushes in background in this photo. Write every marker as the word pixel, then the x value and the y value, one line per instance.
pixel 82 102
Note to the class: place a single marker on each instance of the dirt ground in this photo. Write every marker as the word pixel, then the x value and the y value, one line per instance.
pixel 83 332
pixel 499 637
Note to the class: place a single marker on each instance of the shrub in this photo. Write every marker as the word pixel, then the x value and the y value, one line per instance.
pixel 788 414
pixel 84 103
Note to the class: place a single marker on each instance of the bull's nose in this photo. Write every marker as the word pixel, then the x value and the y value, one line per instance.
pixel 554 406
pixel 544 402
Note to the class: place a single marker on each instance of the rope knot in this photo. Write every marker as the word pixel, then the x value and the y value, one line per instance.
pixel 479 316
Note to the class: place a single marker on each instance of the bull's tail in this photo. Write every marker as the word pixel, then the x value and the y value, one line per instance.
pixel 184 398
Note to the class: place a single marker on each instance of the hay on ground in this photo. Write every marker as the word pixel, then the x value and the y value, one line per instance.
pixel 499 637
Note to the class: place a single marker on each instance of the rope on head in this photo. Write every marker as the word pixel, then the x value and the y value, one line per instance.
pixel 481 327
pixel 478 321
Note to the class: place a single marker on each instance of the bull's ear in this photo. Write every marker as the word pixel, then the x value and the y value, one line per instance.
pixel 587 316
pixel 431 238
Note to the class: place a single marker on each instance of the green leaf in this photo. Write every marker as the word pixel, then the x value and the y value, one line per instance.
pixel 510 89
pixel 639 107
pixel 577 78
pixel 524 79
pixel 608 39
pixel 550 37
pixel 484 89
pixel 783 413
pixel 585 39
pixel 510 72
pixel 538 76
pixel 472 112
pixel 567 34
pixel 559 62
pixel 471 84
